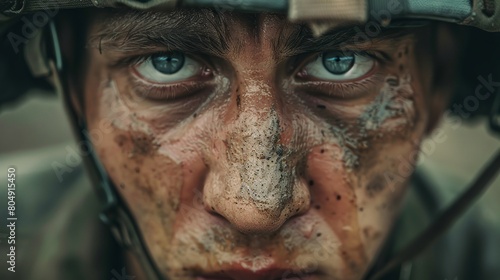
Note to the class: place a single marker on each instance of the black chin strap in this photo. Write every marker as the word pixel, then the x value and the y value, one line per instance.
pixel 444 221
pixel 114 214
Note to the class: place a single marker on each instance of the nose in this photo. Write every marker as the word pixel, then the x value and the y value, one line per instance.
pixel 255 181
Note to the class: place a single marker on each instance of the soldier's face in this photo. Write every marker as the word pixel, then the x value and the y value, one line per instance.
pixel 246 148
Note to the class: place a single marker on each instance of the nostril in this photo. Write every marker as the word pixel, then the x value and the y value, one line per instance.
pixel 211 209
pixel 214 213
pixel 247 219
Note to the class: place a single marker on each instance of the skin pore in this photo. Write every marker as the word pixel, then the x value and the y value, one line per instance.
pixel 254 167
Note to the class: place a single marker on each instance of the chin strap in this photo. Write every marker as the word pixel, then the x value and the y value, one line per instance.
pixel 444 221
pixel 114 214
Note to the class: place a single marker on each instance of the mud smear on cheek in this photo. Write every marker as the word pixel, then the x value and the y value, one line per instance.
pixel 151 186
pixel 117 111
pixel 393 109
pixel 335 195
pixel 148 168
pixel 150 183
pixel 386 128
pixel 349 142
pixel 391 115
pixel 358 149
pixel 389 121
pixel 375 186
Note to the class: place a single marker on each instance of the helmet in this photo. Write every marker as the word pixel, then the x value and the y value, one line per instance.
pixel 27 26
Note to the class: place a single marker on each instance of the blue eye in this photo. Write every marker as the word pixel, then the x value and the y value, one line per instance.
pixel 168 63
pixel 339 66
pixel 338 63
pixel 169 67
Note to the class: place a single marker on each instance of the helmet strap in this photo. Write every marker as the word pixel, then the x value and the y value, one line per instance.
pixel 115 213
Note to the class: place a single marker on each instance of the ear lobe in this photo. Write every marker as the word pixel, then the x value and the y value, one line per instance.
pixel 447 51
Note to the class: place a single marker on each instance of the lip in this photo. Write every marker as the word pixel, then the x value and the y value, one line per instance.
pixel 267 274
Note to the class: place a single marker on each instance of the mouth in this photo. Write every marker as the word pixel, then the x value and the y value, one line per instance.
pixel 267 274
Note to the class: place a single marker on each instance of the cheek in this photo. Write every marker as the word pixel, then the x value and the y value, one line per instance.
pixel 394 125
pixel 150 183
pixel 335 200
pixel 361 177
pixel 393 109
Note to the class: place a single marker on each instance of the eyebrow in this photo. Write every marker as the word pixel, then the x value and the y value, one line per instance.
pixel 209 32
pixel 301 40
pixel 201 31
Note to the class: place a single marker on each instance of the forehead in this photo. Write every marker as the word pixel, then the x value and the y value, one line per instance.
pixel 218 32
pixel 212 22
pixel 201 18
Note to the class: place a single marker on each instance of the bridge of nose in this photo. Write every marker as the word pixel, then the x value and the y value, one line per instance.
pixel 257 171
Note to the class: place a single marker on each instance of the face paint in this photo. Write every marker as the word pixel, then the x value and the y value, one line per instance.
pixel 253 175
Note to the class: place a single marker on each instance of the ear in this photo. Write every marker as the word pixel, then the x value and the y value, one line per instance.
pixel 448 47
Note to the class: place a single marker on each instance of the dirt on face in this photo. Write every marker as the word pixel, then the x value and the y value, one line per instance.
pixel 257 169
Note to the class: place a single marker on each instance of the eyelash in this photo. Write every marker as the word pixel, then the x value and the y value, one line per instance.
pixel 302 58
pixel 379 57
pixel 160 92
pixel 153 91
pixel 157 92
pixel 344 90
pixel 341 89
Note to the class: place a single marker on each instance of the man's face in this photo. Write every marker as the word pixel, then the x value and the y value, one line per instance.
pixel 246 148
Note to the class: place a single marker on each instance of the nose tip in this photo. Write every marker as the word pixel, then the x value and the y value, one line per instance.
pixel 260 207
pixel 250 220
pixel 249 217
